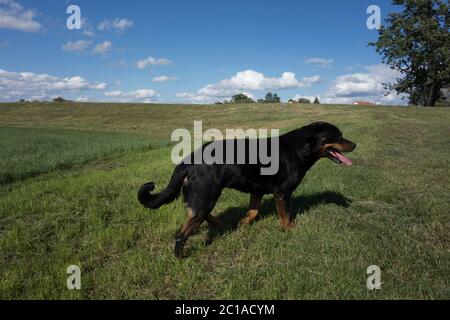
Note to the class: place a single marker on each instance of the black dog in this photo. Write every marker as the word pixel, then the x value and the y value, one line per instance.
pixel 203 183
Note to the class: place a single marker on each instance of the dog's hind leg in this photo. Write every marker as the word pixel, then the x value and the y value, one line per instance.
pixel 199 209
pixel 194 221
pixel 253 209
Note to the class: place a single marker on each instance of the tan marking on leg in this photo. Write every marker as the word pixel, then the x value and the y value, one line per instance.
pixel 189 213
pixel 283 212
pixel 253 209
pixel 190 216
pixel 192 226
pixel 194 221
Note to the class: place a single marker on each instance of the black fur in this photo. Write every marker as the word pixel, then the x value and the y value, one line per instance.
pixel 202 184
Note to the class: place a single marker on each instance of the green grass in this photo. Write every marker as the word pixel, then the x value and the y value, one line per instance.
pixel 28 152
pixel 390 209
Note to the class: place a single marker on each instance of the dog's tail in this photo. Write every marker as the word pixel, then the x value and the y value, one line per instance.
pixel 170 193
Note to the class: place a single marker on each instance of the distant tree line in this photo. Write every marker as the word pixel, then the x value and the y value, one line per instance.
pixel 60 99
pixel 57 99
pixel 268 98
pixel 307 101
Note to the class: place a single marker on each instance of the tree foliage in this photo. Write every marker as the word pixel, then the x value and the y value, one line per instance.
pixel 59 99
pixel 241 98
pixel 416 42
pixel 270 98
pixel 304 100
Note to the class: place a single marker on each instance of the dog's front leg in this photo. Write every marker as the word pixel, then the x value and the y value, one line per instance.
pixel 282 202
pixel 253 208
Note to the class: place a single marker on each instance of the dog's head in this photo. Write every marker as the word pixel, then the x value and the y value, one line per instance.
pixel 328 142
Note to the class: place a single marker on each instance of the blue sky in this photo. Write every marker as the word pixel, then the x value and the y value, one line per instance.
pixel 191 51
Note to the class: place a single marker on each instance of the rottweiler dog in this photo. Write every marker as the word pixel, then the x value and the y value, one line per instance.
pixel 202 183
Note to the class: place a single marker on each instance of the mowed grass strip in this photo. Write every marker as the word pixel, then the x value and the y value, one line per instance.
pixel 390 209
pixel 28 152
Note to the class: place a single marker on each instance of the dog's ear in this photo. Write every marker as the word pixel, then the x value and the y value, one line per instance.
pixel 314 139
pixel 309 146
pixel 313 143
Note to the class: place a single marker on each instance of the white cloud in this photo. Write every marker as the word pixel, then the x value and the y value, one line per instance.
pixel 250 95
pixel 320 62
pixel 73 83
pixel 245 82
pixel 367 86
pixel 114 93
pixel 28 85
pixel 103 48
pixel 194 98
pixel 141 95
pixel 252 80
pixel 164 78
pixel 142 64
pixel 15 16
pixel 118 24
pixel 82 99
pixel 98 86
pixel 77 46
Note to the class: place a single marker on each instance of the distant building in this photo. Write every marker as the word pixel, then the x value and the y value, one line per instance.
pixel 292 101
pixel 362 103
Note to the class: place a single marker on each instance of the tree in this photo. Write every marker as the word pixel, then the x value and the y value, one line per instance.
pixel 416 43
pixel 241 98
pixel 270 98
pixel 304 100
pixel 59 99
pixel 316 101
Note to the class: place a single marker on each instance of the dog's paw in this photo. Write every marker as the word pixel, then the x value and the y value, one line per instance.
pixel 288 226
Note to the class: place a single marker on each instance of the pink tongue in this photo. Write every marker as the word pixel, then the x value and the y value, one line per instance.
pixel 342 158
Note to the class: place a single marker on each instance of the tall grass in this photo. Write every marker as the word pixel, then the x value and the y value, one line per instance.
pixel 28 152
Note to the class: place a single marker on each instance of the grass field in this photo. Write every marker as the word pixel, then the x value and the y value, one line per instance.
pixel 70 174
pixel 28 152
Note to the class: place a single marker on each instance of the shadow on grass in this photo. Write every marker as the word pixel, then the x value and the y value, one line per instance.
pixel 230 218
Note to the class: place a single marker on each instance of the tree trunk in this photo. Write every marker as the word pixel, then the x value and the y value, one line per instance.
pixel 432 95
